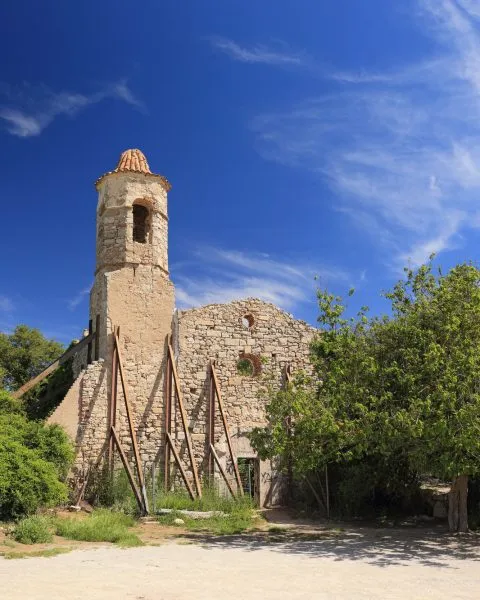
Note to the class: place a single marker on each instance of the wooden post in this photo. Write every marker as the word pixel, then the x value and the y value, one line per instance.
pixel 112 412
pixel 221 469
pixel 130 424
pixel 288 425
pixel 131 478
pixel 179 464
pixel 154 490
pixel 89 351
pixel 211 427
pixel 183 414
pixel 97 338
pixel 83 487
pixel 227 432
pixel 168 423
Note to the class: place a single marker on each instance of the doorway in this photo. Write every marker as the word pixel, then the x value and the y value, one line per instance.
pixel 249 475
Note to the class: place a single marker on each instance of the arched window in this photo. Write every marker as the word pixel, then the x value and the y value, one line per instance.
pixel 141 223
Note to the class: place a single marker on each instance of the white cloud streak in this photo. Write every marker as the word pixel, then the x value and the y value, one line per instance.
pixel 78 299
pixel 226 275
pixel 26 112
pixel 258 54
pixel 401 148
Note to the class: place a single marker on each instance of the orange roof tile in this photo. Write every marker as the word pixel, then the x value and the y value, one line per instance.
pixel 133 161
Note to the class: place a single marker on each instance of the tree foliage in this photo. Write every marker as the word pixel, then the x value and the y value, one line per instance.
pixel 23 354
pixel 34 459
pixel 401 392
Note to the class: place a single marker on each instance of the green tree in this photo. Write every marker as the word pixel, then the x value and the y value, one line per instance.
pixel 401 392
pixel 438 351
pixel 23 354
pixel 34 460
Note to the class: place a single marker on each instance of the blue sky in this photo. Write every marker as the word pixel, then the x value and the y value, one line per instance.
pixel 336 138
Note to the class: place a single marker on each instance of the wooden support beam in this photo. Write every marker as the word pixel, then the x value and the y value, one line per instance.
pixel 179 464
pixel 227 432
pixel 112 409
pixel 167 424
pixel 288 426
pixel 97 338
pixel 221 469
pixel 183 414
pixel 51 368
pixel 89 350
pixel 83 488
pixel 211 427
pixel 130 476
pixel 130 423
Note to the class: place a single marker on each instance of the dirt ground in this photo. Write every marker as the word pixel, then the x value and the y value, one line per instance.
pixel 298 562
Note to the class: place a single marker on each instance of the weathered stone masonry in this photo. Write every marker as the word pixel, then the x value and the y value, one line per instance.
pixel 132 290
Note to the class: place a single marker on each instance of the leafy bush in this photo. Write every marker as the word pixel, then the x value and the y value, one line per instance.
pixel 33 460
pixel 33 530
pixel 101 526
pixel 8 404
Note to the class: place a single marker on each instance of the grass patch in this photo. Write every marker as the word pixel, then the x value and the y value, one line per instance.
pixel 236 521
pixel 101 526
pixel 37 553
pixel 211 500
pixel 33 530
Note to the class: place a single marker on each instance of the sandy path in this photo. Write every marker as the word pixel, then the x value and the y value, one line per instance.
pixel 235 569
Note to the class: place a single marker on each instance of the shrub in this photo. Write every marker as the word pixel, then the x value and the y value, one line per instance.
pixel 115 493
pixel 8 404
pixel 33 530
pixel 101 526
pixel 33 459
pixel 26 481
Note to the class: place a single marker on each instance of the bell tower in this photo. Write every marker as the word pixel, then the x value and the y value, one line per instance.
pixel 132 222
pixel 132 288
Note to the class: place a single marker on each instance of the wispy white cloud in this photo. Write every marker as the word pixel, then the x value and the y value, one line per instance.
pixel 259 53
pixel 78 298
pixel 225 275
pixel 402 148
pixel 27 111
pixel 6 304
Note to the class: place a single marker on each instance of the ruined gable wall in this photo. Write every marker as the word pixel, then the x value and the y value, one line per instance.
pixel 217 332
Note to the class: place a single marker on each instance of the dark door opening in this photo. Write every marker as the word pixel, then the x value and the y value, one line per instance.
pixel 248 469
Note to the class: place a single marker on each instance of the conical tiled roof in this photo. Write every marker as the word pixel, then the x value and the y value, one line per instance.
pixel 133 161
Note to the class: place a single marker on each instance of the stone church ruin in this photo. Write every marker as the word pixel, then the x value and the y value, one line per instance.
pixel 155 385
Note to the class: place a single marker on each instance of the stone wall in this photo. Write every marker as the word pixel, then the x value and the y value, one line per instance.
pixel 92 415
pixel 225 333
pixel 269 337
